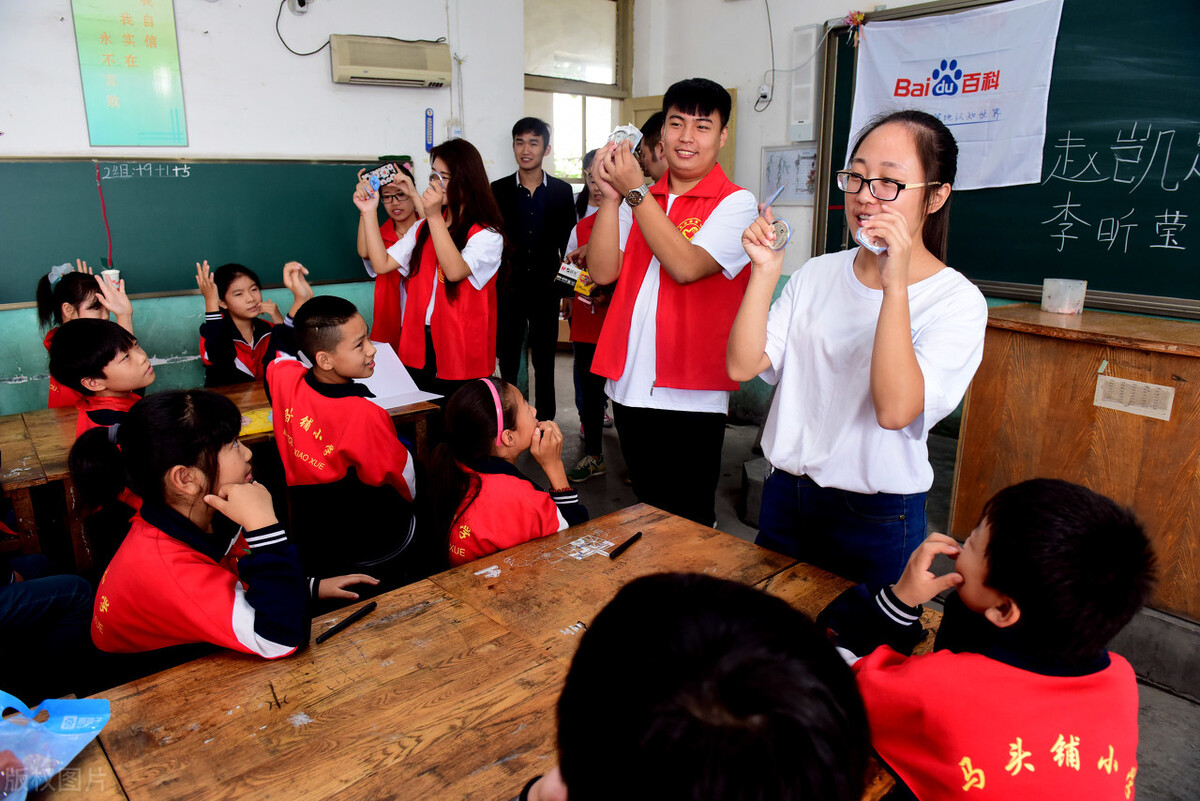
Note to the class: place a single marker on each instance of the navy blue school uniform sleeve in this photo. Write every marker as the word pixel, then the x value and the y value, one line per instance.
pixel 860 620
pixel 569 506
pixel 275 588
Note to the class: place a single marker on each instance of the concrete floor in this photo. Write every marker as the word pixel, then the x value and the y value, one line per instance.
pixel 1169 725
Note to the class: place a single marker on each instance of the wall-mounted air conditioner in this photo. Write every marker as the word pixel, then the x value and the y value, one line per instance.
pixel 380 61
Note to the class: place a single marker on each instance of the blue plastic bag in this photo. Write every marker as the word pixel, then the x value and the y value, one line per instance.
pixel 47 747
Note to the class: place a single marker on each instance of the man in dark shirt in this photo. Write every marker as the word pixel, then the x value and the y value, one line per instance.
pixel 539 213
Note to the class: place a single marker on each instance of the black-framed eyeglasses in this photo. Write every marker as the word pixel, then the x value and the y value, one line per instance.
pixel 882 188
pixel 396 198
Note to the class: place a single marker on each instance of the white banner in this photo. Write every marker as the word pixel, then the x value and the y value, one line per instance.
pixel 984 72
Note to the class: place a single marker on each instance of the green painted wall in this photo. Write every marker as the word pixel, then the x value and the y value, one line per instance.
pixel 168 328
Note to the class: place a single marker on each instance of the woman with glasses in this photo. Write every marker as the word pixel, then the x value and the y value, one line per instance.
pixel 399 200
pixel 867 348
pixel 449 260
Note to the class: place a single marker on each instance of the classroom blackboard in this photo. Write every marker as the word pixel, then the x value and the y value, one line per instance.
pixel 164 216
pixel 1119 201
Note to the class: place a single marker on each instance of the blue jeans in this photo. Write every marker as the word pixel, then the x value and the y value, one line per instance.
pixel 865 538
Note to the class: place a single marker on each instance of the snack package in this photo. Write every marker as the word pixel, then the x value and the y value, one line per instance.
pixel 44 748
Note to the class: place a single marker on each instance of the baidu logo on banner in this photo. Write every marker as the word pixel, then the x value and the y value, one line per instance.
pixel 946 80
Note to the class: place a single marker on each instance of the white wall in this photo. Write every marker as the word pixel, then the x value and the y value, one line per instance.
pixel 245 96
pixel 727 41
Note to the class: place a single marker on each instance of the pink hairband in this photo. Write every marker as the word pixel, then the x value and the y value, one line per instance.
pixel 499 412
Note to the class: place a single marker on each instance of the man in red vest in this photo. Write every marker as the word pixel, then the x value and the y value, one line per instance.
pixel 680 260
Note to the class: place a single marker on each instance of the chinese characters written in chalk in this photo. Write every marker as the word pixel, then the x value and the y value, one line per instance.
pixel 1146 161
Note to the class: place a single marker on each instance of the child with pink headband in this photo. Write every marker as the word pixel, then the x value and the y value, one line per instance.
pixel 481 502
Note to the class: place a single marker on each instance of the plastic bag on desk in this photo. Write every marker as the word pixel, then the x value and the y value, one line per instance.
pixel 44 748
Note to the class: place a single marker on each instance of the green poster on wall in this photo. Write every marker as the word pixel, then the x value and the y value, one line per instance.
pixel 129 67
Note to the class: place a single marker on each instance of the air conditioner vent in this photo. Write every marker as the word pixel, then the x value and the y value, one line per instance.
pixel 380 61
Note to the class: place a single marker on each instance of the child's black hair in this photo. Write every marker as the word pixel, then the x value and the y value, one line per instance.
pixel 938 153
pixel 73 289
pixel 181 427
pixel 226 274
pixel 699 97
pixel 532 125
pixel 82 348
pixel 585 194
pixel 1078 565
pixel 469 434
pixel 319 322
pixel 725 692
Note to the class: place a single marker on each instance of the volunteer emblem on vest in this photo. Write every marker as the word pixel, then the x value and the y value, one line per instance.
pixel 441 276
pixel 690 226
pixel 464 532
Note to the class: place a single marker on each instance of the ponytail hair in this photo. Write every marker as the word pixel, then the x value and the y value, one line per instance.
pixel 74 289
pixel 183 427
pixel 471 430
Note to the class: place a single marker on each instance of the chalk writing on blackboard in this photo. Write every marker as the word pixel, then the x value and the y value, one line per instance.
pixel 143 169
pixel 1150 163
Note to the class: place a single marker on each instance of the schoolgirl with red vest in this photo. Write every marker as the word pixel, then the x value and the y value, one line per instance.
pixel 236 343
pixel 399 200
pixel 182 575
pixel 450 260
pixel 66 294
pixel 680 261
pixel 481 502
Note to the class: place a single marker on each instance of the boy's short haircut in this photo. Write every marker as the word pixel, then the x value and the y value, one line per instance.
pixel 699 97
pixel 83 347
pixel 652 130
pixel 532 125
pixel 1078 565
pixel 689 686
pixel 319 323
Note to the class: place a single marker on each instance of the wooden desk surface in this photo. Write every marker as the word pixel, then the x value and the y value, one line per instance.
pixel 20 466
pixel 52 432
pixel 426 694
pixel 447 690
pixel 90 773
pixel 540 592
pixel 1102 328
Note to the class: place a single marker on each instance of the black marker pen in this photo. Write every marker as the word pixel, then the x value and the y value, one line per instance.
pixel 355 616
pixel 620 549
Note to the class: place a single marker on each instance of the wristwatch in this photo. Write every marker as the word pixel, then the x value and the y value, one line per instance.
pixel 636 195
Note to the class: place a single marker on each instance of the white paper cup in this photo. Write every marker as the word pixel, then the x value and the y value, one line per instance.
pixel 1063 295
pixel 112 276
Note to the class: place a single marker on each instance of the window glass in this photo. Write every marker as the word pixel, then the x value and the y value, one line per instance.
pixel 575 40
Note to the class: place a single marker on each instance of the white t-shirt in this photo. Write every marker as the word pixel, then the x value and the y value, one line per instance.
pixel 721 237
pixel 482 254
pixel 820 334
pixel 573 239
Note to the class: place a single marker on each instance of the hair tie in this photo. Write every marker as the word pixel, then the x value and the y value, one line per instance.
pixel 56 273
pixel 499 411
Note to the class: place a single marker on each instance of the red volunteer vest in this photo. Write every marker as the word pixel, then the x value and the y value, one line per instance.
pixel 59 395
pixel 693 320
pixel 385 322
pixel 586 318
pixel 91 403
pixel 463 327
pixel 998 732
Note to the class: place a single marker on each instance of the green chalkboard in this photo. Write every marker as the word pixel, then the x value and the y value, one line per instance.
pixel 1119 201
pixel 166 215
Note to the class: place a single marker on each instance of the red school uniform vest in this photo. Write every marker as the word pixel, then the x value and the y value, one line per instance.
pixel 587 319
pixel 97 412
pixel 463 327
pixel 320 438
pixel 963 726
pixel 693 320
pixel 385 322
pixel 59 395
pixel 508 511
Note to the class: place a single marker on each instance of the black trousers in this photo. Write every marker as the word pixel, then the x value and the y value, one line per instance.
pixel 537 311
pixel 592 399
pixel 674 458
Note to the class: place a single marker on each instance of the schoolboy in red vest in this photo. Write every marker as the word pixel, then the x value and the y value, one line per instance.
pixel 679 256
pixel 105 364
pixel 351 482
pixel 1020 698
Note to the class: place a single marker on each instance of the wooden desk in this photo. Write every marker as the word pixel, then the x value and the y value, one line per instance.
pixel 1031 412
pixel 447 690
pixel 540 592
pixel 52 433
pixel 90 773
pixel 20 470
